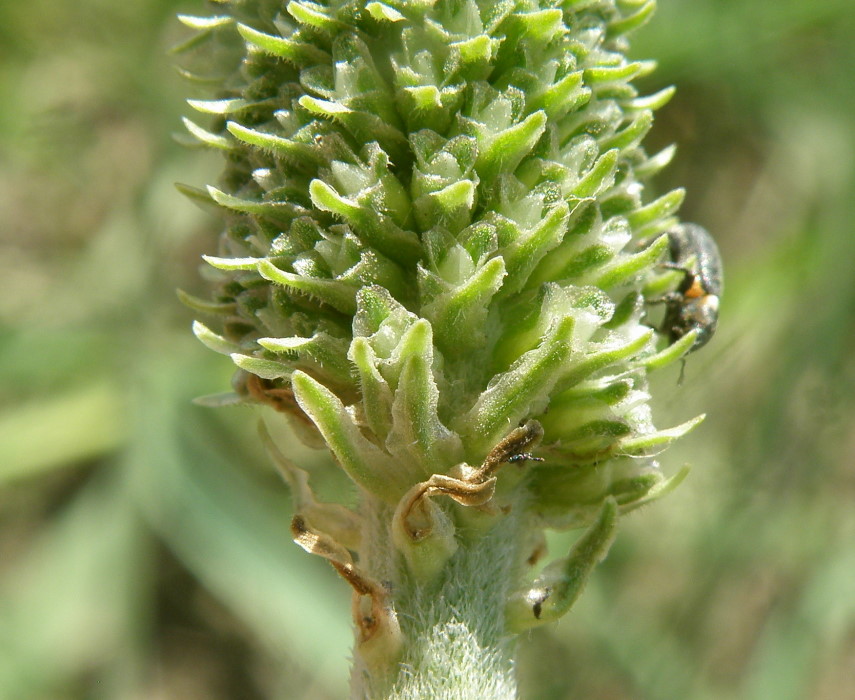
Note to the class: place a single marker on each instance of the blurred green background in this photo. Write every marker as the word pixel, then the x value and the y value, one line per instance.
pixel 144 546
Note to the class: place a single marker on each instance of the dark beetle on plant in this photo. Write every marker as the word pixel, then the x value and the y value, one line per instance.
pixel 694 305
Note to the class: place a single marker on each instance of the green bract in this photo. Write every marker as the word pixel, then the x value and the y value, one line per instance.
pixel 437 238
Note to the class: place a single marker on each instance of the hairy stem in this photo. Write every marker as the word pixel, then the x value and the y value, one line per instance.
pixel 456 646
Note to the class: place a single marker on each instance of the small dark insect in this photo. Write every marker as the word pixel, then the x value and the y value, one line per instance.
pixel 523 457
pixel 694 305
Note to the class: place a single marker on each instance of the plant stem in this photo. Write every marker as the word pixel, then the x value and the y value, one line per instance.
pixel 455 645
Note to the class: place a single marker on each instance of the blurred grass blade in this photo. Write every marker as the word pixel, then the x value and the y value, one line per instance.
pixel 60 431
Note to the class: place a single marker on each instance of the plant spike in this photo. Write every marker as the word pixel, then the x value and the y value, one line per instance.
pixel 441 262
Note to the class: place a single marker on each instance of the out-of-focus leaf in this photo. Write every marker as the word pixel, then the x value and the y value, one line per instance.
pixel 60 431
pixel 232 533
pixel 73 601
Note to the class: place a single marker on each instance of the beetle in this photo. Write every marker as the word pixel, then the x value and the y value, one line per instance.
pixel 694 304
